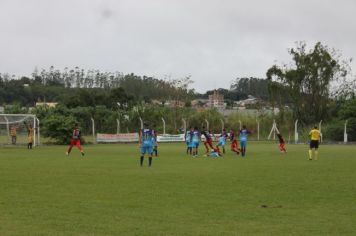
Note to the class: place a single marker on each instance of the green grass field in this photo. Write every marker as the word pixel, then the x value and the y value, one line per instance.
pixel 44 192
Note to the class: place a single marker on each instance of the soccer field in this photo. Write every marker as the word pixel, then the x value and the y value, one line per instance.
pixel 44 192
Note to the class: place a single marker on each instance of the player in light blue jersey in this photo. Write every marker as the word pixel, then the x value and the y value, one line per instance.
pixel 214 153
pixel 195 141
pixel 222 140
pixel 146 141
pixel 189 140
pixel 243 133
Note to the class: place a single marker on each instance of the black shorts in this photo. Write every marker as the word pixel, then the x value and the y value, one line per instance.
pixel 314 144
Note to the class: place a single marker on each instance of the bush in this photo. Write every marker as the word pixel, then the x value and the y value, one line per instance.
pixel 335 130
pixel 58 127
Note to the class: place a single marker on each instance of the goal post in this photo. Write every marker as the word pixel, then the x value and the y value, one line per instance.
pixel 14 129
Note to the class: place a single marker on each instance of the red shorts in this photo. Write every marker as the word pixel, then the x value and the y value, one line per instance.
pixel 282 146
pixel 234 145
pixel 75 142
pixel 209 141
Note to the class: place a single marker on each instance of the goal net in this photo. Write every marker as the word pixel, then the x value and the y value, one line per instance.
pixel 15 129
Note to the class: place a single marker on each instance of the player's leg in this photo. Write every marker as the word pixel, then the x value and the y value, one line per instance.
pixel 206 147
pixel 232 146
pixel 195 149
pixel 79 146
pixel 150 160
pixel 316 152
pixel 210 142
pixel 143 151
pixel 69 149
pixel 71 144
pixel 243 148
pixel 150 157
pixel 284 148
pixel 311 146
pixel 281 147
pixel 310 154
pixel 155 149
pixel 217 150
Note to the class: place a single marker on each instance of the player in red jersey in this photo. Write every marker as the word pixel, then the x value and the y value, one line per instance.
pixel 234 143
pixel 75 140
pixel 208 143
pixel 282 143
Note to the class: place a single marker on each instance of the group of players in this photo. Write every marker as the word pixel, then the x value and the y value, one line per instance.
pixel 193 137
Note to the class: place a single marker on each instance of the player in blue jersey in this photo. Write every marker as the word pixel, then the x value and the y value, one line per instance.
pixel 222 140
pixel 243 133
pixel 214 153
pixel 146 141
pixel 189 141
pixel 195 141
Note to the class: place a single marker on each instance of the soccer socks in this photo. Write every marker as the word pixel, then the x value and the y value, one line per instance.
pixel 149 160
pixel 243 151
pixel 316 154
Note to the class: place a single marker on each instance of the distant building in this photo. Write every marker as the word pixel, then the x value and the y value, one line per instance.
pixel 249 101
pixel 174 103
pixel 49 104
pixel 216 100
pixel 157 102
pixel 199 103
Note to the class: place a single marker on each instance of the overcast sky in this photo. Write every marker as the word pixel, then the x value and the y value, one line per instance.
pixel 213 41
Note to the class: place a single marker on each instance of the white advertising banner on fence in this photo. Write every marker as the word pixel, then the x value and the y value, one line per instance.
pixel 170 138
pixel 117 138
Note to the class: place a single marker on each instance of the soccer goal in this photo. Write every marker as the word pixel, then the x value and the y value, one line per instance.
pixel 15 129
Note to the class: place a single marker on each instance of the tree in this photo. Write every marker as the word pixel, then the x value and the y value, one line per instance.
pixel 308 81
pixel 57 127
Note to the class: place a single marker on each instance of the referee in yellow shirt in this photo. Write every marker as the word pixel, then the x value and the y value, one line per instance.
pixel 314 143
